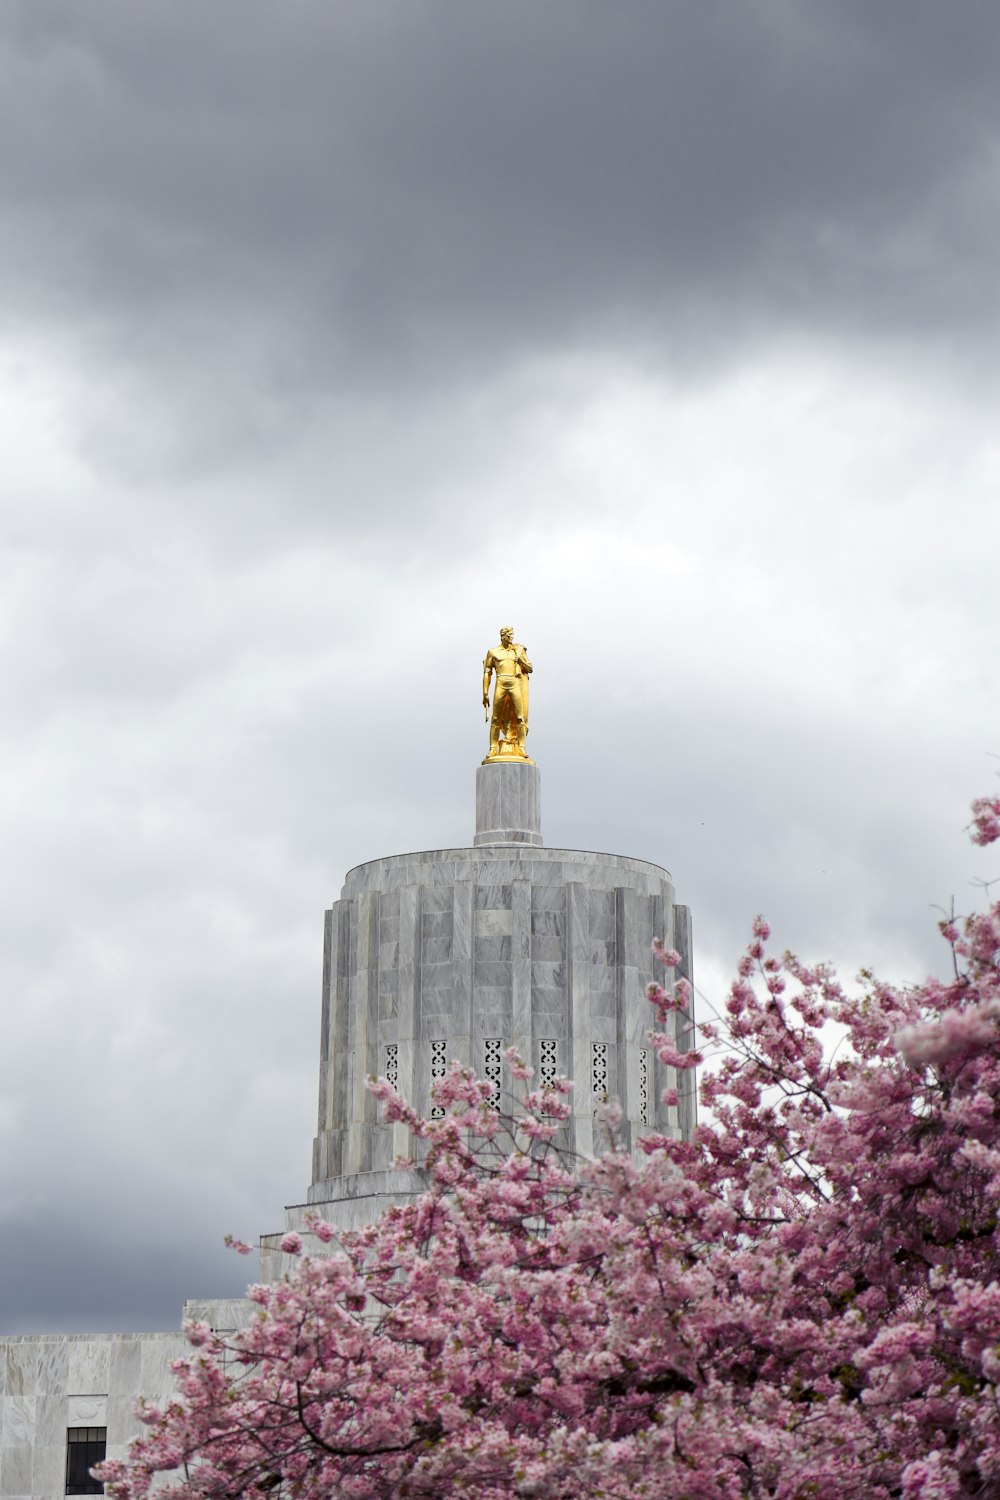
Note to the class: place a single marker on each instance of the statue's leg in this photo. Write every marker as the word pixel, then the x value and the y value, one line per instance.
pixel 517 713
pixel 498 720
pixel 502 710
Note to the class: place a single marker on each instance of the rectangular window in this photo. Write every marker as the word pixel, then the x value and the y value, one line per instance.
pixel 85 1447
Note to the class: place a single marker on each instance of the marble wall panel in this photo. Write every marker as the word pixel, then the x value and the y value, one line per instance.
pixel 388 1009
pixel 435 949
pixel 492 950
pixel 408 1020
pixel 661 924
pixel 437 903
pixel 547 922
pixel 436 1026
pixel 155 1374
pixel 628 904
pixel 435 979
pixel 617 1077
pixel 18 1420
pixel 463 981
pixel 602 916
pixel 546 975
pixel 53 1366
pixel 326 1105
pixel 15 1472
pixel 542 869
pixel 548 945
pixel 644 937
pixel 386 1035
pixel 339 1064
pixel 493 897
pixel 521 966
pixel 122 1424
pixel 603 990
pixel 382 1153
pixel 48 1468
pixel 488 814
pixel 682 938
pixel 492 1025
pixel 362 1019
pixel 21 1373
pixel 89 1367
pixel 494 884
pixel 50 1419
pixel 493 923
pixel 435 1007
pixel 548 897
pixel 550 1019
pixel 124 1369
pixel 604 1005
pixel 493 975
pixel 492 1015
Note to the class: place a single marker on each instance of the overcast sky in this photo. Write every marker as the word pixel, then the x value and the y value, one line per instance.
pixel 334 335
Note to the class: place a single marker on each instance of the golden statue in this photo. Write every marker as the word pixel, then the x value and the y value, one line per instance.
pixel 509 724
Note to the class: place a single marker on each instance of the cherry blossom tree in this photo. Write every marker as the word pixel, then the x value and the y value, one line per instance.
pixel 802 1301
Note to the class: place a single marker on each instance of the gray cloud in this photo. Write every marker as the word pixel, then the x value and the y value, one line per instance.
pixel 332 335
pixel 378 197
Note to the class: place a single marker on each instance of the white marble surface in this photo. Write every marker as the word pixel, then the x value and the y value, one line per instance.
pixel 503 940
pixel 508 803
pixel 53 1382
pixel 87 1411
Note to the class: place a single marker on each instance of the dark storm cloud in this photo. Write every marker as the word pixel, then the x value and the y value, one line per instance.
pixel 380 194
pixel 295 299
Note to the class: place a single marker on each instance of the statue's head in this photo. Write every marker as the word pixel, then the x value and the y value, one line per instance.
pixel 506 634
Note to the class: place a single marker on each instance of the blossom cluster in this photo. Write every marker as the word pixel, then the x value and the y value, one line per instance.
pixel 802 1300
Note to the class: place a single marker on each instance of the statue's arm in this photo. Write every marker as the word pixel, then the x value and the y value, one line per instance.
pixel 487 673
pixel 522 658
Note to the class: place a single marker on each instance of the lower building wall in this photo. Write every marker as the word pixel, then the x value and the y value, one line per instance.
pixel 54 1382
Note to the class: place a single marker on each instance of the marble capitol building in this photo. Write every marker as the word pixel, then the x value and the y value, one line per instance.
pixel 428 957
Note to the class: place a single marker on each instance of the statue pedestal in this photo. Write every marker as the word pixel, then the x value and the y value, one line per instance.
pixel 508 803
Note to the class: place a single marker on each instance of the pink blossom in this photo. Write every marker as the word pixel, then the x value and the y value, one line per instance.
pixel 957 1031
pixel 801 1300
pixel 668 957
pixel 986 820
pixel 240 1246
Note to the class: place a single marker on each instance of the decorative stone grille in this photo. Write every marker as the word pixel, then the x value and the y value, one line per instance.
pixel 643 1087
pixel 492 1050
pixel 547 1070
pixel 439 1067
pixel 392 1064
pixel 599 1071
